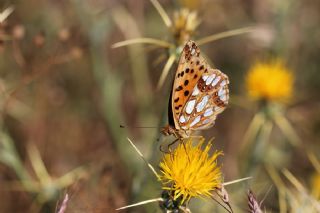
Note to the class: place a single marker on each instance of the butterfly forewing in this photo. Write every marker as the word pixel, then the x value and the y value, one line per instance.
pixel 185 79
pixel 199 92
pixel 187 76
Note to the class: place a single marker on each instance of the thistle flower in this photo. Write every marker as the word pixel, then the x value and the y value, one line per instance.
pixel 189 171
pixel 269 81
pixel 184 25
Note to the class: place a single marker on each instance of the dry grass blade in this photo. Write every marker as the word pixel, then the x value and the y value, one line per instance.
pixel 254 206
pixel 213 198
pixel 287 130
pixel 153 41
pixel 294 181
pixel 165 70
pixel 6 13
pixel 314 161
pixel 141 203
pixel 280 187
pixel 184 209
pixel 71 177
pixel 141 155
pixel 224 196
pixel 162 13
pixel 252 130
pixel 301 189
pixel 38 165
pixel 225 34
pixel 266 131
pixel 236 181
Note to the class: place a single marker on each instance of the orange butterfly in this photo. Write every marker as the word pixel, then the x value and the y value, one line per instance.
pixel 198 95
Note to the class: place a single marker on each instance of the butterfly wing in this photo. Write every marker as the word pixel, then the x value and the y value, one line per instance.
pixel 211 100
pixel 199 92
pixel 187 75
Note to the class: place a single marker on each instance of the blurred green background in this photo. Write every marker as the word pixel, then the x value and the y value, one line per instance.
pixel 65 92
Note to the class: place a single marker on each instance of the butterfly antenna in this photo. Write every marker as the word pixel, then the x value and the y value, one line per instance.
pixel 142 127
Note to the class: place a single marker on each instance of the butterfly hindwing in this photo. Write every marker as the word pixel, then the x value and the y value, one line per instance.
pixel 210 98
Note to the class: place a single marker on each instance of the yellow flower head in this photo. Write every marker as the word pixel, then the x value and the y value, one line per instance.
pixel 189 171
pixel 269 81
pixel 315 185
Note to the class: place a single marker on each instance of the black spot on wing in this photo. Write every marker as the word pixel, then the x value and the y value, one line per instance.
pixel 179 88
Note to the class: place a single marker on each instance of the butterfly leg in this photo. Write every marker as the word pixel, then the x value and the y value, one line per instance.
pixel 168 147
pixel 175 141
pixel 185 149
pixel 178 138
pixel 162 150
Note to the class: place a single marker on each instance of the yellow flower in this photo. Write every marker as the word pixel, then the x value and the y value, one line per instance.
pixel 315 186
pixel 189 171
pixel 269 81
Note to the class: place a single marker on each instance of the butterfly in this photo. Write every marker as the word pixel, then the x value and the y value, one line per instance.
pixel 199 93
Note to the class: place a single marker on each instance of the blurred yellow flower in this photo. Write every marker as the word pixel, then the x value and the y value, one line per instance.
pixel 269 81
pixel 191 4
pixel 189 171
pixel 184 25
pixel 315 186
